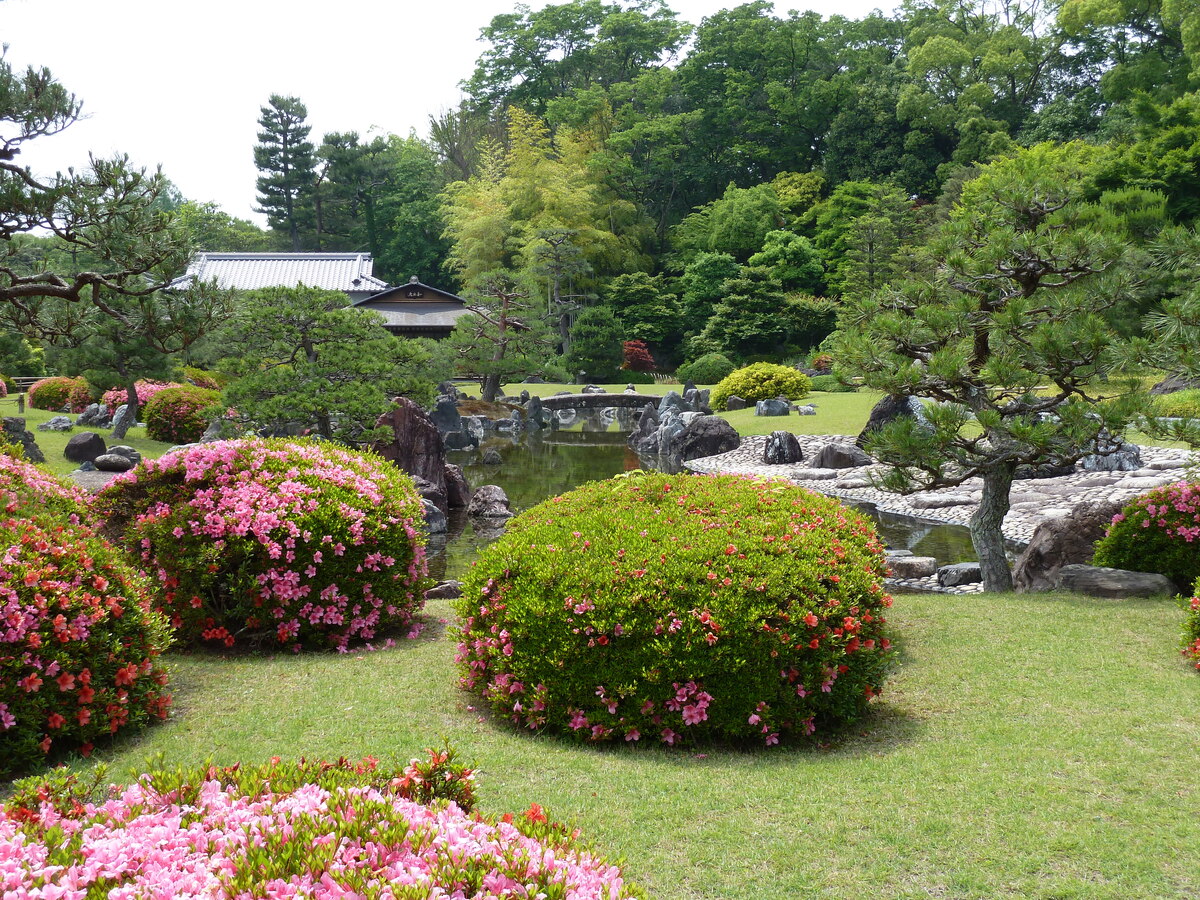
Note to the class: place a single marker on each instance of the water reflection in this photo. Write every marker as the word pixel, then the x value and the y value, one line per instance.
pixel 534 467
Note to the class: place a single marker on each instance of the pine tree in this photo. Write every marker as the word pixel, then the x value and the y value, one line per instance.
pixel 287 161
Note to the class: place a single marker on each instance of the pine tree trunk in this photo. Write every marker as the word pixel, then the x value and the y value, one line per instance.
pixel 491 387
pixel 986 535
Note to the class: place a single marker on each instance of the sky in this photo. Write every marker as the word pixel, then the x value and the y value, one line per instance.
pixel 180 84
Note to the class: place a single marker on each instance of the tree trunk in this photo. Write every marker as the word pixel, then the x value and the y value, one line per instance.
pixel 131 414
pixel 491 387
pixel 986 535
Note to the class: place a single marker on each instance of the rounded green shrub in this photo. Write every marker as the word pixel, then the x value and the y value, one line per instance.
pixel 629 376
pixel 52 394
pixel 178 415
pixel 708 369
pixel 761 381
pixel 670 608
pixel 1179 405
pixel 1156 532
pixel 830 384
pixel 202 378
pixel 296 542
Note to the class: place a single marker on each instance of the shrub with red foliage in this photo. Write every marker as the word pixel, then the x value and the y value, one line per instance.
pixel 637 357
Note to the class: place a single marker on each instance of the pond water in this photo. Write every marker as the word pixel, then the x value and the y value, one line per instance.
pixel 541 466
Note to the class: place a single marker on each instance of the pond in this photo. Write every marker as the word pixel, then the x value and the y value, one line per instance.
pixel 539 466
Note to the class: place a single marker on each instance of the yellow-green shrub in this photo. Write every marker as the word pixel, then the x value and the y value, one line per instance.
pixel 761 381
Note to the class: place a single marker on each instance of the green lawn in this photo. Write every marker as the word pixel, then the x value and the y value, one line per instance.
pixel 1029 746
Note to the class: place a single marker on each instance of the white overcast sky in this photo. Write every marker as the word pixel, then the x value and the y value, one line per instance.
pixel 179 84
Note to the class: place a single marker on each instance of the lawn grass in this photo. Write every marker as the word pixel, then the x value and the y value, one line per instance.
pixel 1027 746
pixel 52 443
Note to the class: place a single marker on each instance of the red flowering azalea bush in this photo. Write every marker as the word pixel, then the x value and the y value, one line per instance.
pixel 669 608
pixel 178 415
pixel 145 390
pixel 313 830
pixel 78 642
pixel 1191 625
pixel 296 542
pixel 52 394
pixel 1156 532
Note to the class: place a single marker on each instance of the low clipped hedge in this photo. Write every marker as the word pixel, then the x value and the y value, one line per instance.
pixel 178 415
pixel 52 394
pixel 1156 532
pixel 830 384
pixel 761 381
pixel 290 542
pixel 1180 405
pixel 673 608
pixel 321 830
pixel 1191 625
pixel 708 369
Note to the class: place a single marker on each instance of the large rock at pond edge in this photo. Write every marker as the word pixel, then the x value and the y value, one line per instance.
pixel 1116 584
pixel 959 573
pixel 535 414
pixel 1112 454
pixel 445 416
pixel 435 519
pixel 15 433
pixel 85 447
pixel 431 492
pixel 113 462
pixel 458 492
pixel 906 567
pixel 644 438
pixel 889 408
pixel 489 502
pixel 782 448
pixel 95 416
pixel 57 423
pixel 840 456
pixel 1062 542
pixel 415 445
pixel 1175 383
pixel 671 399
pixel 773 407
pixel 703 436
pixel 445 590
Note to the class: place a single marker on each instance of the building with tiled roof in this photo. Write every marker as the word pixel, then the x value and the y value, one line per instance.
pixel 416 310
pixel 346 272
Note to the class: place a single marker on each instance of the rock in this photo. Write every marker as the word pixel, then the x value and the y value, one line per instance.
pixel 445 590
pixel 1175 383
pixel 841 456
pixel 85 447
pixel 703 436
pixel 671 399
pixel 808 410
pixel 1045 470
pixel 1145 483
pixel 416 443
pixel 123 418
pixel 15 433
pixel 1113 454
pixel 434 493
pixel 775 407
pixel 734 402
pixel 435 519
pixel 445 416
pixel 534 379
pixel 458 492
pixel 813 474
pixel 523 397
pixel 459 440
pixel 57 423
pixel 593 389
pixel 888 409
pixel 912 566
pixel 134 456
pixel 939 501
pixel 644 438
pixel 535 413
pixel 630 389
pixel 490 502
pixel 782 448
pixel 1061 542
pixel 214 432
pixel 447 389
pixel 87 467
pixel 890 553
pixel 959 573
pixel 492 457
pixel 113 462
pixel 854 484
pixel 95 416
pixel 1116 584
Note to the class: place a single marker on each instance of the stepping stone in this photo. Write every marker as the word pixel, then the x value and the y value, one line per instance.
pixel 912 566
pixel 1098 581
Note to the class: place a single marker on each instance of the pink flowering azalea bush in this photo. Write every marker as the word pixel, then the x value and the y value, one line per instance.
pixel 323 831
pixel 52 394
pixel 669 608
pixel 79 643
pixel 1191 625
pixel 3 388
pixel 145 390
pixel 26 490
pixel 293 542
pixel 1157 532
pixel 179 415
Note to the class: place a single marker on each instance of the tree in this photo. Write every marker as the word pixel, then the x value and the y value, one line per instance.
pixel 646 309
pixel 596 347
pixel 792 259
pixel 305 357
pixel 211 228
pixel 286 159
pixel 748 321
pixel 113 240
pixel 1006 337
pixel 861 252
pixel 701 283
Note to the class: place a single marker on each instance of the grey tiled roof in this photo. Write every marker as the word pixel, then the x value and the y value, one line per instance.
pixel 348 272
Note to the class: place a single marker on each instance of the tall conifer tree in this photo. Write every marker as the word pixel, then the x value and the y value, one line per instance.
pixel 287 161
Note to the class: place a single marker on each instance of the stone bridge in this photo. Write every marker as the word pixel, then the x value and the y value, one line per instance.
pixel 599 401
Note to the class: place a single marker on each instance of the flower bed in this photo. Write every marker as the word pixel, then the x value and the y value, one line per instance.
pixel 1157 532
pixel 1191 625
pixel 352 833
pixel 26 490
pixel 296 542
pixel 668 608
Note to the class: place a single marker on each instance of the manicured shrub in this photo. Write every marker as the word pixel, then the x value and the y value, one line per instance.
pixel 637 357
pixel 1156 532
pixel 350 832
pixel 178 415
pixel 78 642
pixel 201 378
pixel 145 391
pixel 830 384
pixel 669 608
pixel 630 377
pixel 708 369
pixel 761 381
pixel 821 361
pixel 1180 405
pixel 3 387
pixel 296 542
pixel 52 394
pixel 1191 625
